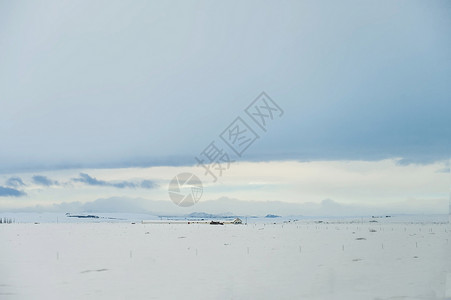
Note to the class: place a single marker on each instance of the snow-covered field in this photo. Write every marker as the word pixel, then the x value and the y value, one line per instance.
pixel 393 258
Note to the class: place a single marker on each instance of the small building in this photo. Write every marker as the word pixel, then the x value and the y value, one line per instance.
pixel 237 221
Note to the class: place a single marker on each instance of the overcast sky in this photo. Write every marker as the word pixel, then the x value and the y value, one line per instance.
pixel 88 85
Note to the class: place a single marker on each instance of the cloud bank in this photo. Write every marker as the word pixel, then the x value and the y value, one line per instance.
pixel 382 93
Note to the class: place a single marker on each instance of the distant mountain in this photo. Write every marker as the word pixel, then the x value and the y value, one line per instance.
pixel 222 207
pixel 272 216
pixel 203 215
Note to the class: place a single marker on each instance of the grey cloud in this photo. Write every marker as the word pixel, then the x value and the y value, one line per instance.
pixel 148 184
pixel 87 179
pixel 10 192
pixel 15 182
pixel 43 180
pixel 123 184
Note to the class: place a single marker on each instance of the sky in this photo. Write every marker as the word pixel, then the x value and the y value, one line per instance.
pixel 109 99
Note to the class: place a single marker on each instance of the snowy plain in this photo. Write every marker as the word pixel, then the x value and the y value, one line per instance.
pixel 282 258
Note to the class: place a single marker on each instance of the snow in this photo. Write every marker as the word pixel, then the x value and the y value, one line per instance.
pixel 393 258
